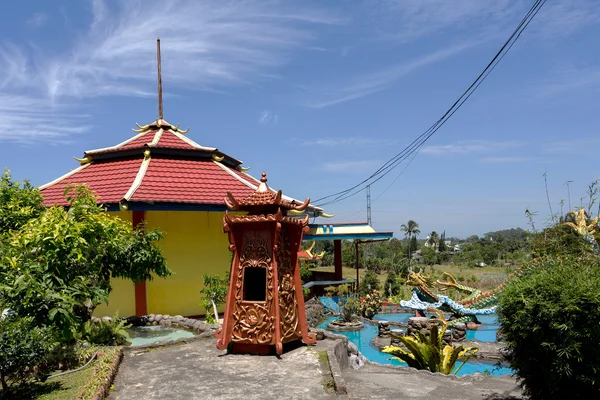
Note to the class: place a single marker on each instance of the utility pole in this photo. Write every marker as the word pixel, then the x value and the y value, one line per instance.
pixel 369 204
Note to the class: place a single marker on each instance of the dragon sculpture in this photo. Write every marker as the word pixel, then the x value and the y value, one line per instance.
pixel 465 310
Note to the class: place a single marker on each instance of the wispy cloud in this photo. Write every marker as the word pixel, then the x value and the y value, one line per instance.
pixel 374 82
pixel 38 19
pixel 470 147
pixel 575 145
pixel 267 117
pixel 350 166
pixel 567 80
pixel 505 160
pixel 206 45
pixel 347 141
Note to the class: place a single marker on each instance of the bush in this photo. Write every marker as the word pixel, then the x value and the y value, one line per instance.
pixel 550 320
pixel 370 305
pixel 214 294
pixel 106 332
pixel 22 347
pixel 369 283
pixel 391 287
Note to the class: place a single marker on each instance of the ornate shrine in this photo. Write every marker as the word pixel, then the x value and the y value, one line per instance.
pixel 265 303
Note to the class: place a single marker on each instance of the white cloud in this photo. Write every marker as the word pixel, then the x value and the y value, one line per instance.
pixel 38 19
pixel 374 82
pixel 470 147
pixel 505 160
pixel 350 166
pixel 205 45
pixel 347 141
pixel 267 117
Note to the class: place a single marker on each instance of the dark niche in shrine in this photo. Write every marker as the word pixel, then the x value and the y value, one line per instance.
pixel 255 284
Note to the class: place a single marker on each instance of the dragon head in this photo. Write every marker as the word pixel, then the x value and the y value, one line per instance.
pixel 419 279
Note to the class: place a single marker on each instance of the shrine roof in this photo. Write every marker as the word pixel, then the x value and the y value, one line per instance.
pixel 348 230
pixel 160 168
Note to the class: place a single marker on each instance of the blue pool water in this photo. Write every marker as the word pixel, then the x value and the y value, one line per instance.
pixel 487 329
pixel 362 339
pixel 397 317
pixel 331 303
pixel 146 335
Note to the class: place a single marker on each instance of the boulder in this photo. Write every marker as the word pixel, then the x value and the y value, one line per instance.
pixel 352 348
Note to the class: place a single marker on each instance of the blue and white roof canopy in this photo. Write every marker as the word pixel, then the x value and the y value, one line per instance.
pixel 342 231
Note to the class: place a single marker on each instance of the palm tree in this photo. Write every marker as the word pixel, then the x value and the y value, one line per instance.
pixel 410 229
pixel 433 239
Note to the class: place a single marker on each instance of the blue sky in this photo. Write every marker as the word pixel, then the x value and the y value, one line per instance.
pixel 320 94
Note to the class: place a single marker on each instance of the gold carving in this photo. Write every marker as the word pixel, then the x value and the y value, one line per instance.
pixel 288 304
pixel 253 322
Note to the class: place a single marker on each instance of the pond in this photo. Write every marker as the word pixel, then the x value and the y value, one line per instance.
pixel 146 335
pixel 362 339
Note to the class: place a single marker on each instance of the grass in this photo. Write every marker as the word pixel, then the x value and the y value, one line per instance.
pixel 483 278
pixel 85 382
pixel 327 381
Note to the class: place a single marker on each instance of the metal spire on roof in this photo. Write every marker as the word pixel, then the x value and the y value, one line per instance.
pixel 160 104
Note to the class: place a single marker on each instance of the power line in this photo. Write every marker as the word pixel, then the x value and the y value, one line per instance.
pixel 416 144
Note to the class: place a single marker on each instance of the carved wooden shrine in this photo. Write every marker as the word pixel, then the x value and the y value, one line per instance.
pixel 265 303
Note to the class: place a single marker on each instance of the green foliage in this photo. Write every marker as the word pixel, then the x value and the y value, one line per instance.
pixel 559 240
pixel 391 287
pixel 429 255
pixel 429 352
pixel 19 202
pixel 550 317
pixel 370 305
pixel 22 347
pixel 57 267
pixel 111 332
pixel 305 272
pixel 214 294
pixel 349 307
pixel 369 283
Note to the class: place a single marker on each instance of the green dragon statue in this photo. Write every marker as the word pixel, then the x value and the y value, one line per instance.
pixel 466 310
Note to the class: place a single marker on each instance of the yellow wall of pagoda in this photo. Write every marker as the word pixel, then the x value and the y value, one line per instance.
pixel 194 244
pixel 122 297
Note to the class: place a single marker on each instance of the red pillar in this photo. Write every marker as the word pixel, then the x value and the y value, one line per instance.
pixel 141 304
pixel 337 259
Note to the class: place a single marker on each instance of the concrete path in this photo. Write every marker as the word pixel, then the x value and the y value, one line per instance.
pixel 375 381
pixel 197 370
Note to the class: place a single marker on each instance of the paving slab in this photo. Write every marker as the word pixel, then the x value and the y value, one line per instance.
pixel 197 370
pixel 375 381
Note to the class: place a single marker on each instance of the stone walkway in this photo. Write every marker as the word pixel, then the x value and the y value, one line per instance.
pixel 197 370
pixel 375 381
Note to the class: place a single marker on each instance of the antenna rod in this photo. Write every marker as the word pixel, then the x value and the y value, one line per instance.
pixel 160 103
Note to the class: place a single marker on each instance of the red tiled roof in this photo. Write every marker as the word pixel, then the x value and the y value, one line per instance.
pixel 109 181
pixel 139 142
pixel 187 181
pixel 170 140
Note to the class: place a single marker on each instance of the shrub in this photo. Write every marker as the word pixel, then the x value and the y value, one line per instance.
pixel 369 283
pixel 370 305
pixel 110 332
pixel 22 347
pixel 429 352
pixel 391 287
pixel 214 293
pixel 550 320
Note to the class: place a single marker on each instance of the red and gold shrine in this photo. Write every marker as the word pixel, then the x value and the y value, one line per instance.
pixel 265 303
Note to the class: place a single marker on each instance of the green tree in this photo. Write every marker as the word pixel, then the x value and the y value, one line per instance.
pixel 369 283
pixel 411 230
pixel 429 255
pixel 57 267
pixel 22 347
pixel 19 202
pixel 391 287
pixel 433 239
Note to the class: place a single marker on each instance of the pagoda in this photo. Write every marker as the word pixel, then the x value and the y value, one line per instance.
pixel 170 182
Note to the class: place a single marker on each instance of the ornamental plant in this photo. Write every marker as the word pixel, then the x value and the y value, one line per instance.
pixel 429 352
pixel 214 294
pixel 370 305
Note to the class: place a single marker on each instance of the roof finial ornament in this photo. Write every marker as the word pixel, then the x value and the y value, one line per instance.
pixel 264 177
pixel 160 104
